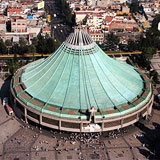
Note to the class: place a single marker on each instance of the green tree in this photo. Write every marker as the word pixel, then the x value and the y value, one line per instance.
pixel 67 12
pixel 23 46
pixel 16 49
pixel 154 76
pixel 134 6
pixel 148 53
pixel 32 49
pixel 3 48
pixel 12 66
pixel 35 41
pixel 112 39
pixel 132 45
pixel 155 22
pixel 8 44
pixel 57 43
pixel 22 42
pixel 41 47
pixel 50 45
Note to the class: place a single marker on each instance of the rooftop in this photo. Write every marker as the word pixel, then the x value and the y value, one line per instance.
pixel 80 75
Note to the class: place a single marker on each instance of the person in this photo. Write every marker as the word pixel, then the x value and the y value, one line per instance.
pixel 92 111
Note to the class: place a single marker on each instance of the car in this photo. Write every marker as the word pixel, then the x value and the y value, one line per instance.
pixel 55 27
pixel 5 101
pixel 9 110
pixel 61 31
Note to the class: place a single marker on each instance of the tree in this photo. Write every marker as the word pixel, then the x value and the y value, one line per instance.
pixel 32 49
pixel 67 12
pixel 50 45
pixel 22 42
pixel 152 38
pixel 57 43
pixel 73 19
pixel 35 41
pixel 155 22
pixel 41 47
pixel 8 44
pixel 12 66
pixel 3 48
pixel 154 76
pixel 134 6
pixel 132 45
pixel 148 52
pixel 15 49
pixel 112 39
pixel 23 46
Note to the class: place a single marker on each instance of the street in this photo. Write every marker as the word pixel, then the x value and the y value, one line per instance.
pixel 60 30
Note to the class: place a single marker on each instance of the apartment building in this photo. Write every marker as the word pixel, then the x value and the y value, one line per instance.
pixel 96 35
pixel 14 12
pixel 19 25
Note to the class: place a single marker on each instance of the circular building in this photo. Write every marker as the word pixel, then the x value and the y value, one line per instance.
pixel 80 89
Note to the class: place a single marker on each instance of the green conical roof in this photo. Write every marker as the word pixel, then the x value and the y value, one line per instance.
pixel 80 75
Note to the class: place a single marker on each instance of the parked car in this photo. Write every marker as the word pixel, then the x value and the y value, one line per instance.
pixel 9 110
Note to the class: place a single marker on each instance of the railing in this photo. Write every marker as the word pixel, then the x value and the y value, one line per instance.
pixel 46 55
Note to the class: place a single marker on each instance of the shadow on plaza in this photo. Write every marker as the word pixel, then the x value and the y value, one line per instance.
pixel 156 104
pixel 151 140
pixel 4 91
pixel 158 89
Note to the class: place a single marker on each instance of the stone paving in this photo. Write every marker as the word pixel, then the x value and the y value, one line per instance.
pixel 155 62
pixel 20 141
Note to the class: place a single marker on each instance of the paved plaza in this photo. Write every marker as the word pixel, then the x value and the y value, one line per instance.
pixel 20 141
pixel 155 63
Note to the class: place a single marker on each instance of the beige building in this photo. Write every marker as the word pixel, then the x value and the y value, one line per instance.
pixel 46 31
pixel 120 26
pixel 14 12
pixel 2 25
pixel 80 15
pixel 100 3
pixel 97 36
pixel 95 20
pixel 18 25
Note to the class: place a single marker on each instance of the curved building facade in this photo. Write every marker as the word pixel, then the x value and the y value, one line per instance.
pixel 80 89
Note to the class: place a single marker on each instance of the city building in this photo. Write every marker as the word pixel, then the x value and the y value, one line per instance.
pixel 14 12
pixel 46 31
pixel 19 25
pixel 123 26
pixel 80 89
pixel 80 15
pixel 100 3
pixel 3 25
pixel 97 35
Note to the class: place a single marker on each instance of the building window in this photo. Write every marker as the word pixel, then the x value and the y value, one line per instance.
pixel 70 125
pixel 20 107
pixel 33 115
pixel 50 121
